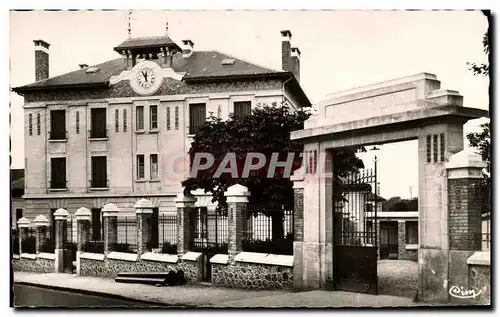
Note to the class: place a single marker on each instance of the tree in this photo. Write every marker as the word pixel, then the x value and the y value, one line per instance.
pixel 481 141
pixel 267 131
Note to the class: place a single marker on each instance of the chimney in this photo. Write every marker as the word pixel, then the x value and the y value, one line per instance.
pixel 286 60
pixel 187 48
pixel 296 62
pixel 83 65
pixel 41 60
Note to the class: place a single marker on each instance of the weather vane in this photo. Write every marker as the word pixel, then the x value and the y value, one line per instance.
pixel 129 27
pixel 166 27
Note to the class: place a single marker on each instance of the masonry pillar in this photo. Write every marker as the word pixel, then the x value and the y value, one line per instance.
pixel 436 143
pixel 184 206
pixel 237 200
pixel 41 224
pixel 464 214
pixel 314 255
pixel 23 224
pixel 110 217
pixel 83 216
pixel 298 226
pixel 143 213
pixel 401 239
pixel 60 216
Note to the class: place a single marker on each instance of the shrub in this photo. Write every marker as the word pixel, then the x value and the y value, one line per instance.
pixel 282 246
pixel 122 247
pixel 28 245
pixel 169 248
pixel 93 247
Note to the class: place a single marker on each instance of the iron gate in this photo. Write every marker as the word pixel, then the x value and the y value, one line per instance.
pixel 355 233
pixel 208 235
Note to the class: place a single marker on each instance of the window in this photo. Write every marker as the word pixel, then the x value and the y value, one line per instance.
pixel 30 124
pixel 197 116
pixel 117 121
pixel 38 124
pixel 124 120
pixel 99 172
pixel 242 109
pixel 58 172
pixel 140 166
pixel 177 118
pixel 411 232
pixel 78 122
pixel 97 226
pixel 153 160
pixel 168 118
pixel 58 124
pixel 153 117
pixel 98 124
pixel 139 112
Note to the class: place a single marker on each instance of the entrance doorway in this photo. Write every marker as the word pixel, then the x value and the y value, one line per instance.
pixel 388 240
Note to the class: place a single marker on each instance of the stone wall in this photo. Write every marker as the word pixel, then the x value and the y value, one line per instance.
pixel 38 265
pixel 480 279
pixel 111 267
pixel 252 276
pixel 403 253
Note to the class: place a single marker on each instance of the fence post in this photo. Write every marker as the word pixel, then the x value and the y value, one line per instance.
pixel 143 212
pixel 60 216
pixel 184 205
pixel 23 224
pixel 237 200
pixel 110 217
pixel 41 224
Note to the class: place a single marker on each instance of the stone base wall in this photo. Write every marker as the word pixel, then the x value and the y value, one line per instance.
pixel 252 276
pixel 110 268
pixel 38 265
pixel 480 280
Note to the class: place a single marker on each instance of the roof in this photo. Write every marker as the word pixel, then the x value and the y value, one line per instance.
pixel 17 178
pixel 143 42
pixel 200 66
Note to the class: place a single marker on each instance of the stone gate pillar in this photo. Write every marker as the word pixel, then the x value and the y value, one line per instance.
pixel 23 224
pixel 60 216
pixel 464 214
pixel 184 206
pixel 143 213
pixel 298 226
pixel 237 200
pixel 110 217
pixel 83 216
pixel 41 224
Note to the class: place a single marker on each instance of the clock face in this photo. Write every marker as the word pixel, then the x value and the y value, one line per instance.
pixel 146 77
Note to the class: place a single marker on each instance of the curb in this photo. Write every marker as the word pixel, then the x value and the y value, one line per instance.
pixel 102 294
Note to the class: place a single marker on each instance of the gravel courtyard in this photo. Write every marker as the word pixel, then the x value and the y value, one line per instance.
pixel 397 278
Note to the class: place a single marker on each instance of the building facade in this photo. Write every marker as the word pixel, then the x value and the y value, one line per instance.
pixel 121 130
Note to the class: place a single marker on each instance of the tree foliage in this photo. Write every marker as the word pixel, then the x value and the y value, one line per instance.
pixel 396 203
pixel 266 130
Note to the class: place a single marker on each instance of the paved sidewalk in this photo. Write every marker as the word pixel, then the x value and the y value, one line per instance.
pixel 207 296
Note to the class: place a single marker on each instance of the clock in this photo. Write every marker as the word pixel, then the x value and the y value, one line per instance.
pixel 146 78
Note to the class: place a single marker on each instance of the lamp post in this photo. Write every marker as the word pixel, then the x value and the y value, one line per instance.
pixel 375 220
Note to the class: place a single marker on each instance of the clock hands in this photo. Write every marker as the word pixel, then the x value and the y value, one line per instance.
pixel 145 74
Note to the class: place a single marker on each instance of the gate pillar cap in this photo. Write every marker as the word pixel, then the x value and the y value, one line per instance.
pixel 41 220
pixel 110 210
pixel 143 206
pixel 182 201
pixel 465 159
pixel 237 190
pixel 83 214
pixel 23 222
pixel 61 214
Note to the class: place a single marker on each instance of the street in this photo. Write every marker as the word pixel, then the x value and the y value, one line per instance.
pixel 25 296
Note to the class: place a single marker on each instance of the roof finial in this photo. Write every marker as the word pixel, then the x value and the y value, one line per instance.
pixel 129 27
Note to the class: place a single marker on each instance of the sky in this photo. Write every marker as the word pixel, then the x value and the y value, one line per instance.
pixel 340 50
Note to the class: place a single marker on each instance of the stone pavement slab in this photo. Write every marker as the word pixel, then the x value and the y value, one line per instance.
pixel 184 295
pixel 321 299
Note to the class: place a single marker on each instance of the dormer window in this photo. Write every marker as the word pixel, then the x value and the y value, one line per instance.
pixel 92 69
pixel 227 61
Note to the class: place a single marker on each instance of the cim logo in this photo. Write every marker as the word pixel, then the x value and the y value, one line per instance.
pixel 460 292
